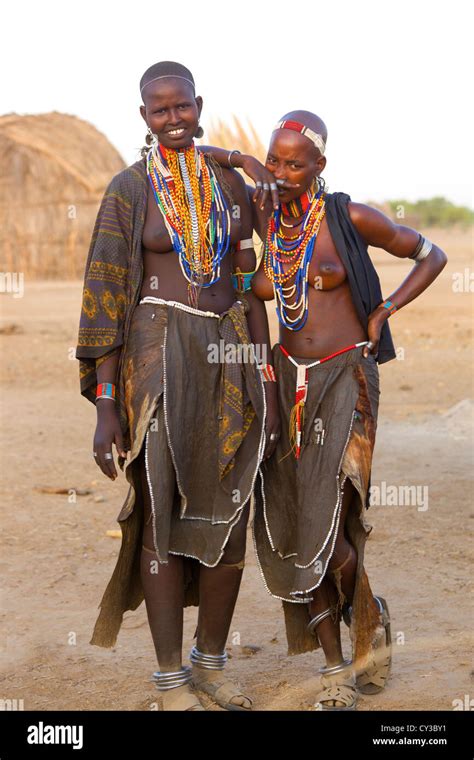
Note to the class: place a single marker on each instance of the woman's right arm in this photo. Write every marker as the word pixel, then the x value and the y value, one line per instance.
pixel 252 167
pixel 108 430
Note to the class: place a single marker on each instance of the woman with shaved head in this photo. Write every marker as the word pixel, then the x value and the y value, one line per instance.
pixel 311 495
pixel 167 283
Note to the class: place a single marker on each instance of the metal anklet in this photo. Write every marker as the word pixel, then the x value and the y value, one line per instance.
pixel 165 681
pixel 312 625
pixel 208 661
pixel 335 668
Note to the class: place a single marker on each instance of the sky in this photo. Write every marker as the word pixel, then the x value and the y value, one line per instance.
pixel 390 79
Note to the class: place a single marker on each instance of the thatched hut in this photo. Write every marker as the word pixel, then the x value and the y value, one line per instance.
pixel 54 169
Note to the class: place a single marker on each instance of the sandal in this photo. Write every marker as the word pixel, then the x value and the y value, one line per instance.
pixel 220 689
pixel 176 687
pixel 339 685
pixel 373 678
pixel 338 681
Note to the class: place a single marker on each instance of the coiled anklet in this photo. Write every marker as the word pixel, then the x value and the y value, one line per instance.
pixel 208 661
pixel 165 681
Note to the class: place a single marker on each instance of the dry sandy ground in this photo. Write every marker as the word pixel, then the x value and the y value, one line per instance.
pixel 56 557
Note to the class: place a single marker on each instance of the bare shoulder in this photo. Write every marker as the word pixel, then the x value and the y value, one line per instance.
pixel 361 214
pixel 370 221
pixel 379 230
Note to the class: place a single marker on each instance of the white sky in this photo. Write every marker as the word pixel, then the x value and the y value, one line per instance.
pixel 390 79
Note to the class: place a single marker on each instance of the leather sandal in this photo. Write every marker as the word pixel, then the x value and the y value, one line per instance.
pixel 207 676
pixel 175 691
pixel 221 690
pixel 338 681
pixel 339 685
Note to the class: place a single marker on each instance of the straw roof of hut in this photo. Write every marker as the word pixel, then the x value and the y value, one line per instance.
pixel 54 169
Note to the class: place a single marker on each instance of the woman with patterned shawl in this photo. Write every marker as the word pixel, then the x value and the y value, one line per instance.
pixel 172 349
pixel 309 526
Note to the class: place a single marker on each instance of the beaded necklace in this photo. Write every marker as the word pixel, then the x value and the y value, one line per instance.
pixel 194 210
pixel 299 206
pixel 297 251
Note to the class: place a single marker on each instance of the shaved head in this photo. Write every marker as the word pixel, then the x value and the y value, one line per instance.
pixel 166 70
pixel 309 120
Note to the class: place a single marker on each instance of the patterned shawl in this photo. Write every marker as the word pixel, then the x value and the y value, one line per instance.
pixel 114 270
pixel 113 273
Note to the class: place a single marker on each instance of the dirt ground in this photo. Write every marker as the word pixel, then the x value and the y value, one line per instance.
pixel 56 557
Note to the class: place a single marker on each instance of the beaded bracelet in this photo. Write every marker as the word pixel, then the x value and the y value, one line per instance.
pixel 105 390
pixel 268 373
pixel 242 281
pixel 390 306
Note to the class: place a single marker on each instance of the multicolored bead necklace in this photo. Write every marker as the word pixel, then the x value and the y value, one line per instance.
pixel 194 210
pixel 299 206
pixel 296 250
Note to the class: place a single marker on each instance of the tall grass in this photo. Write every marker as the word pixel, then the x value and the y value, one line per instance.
pixel 235 135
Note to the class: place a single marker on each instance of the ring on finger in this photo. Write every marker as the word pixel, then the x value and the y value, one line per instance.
pixel 108 455
pixel 273 186
pixel 370 344
pixel 266 186
pixel 280 181
pixel 258 184
pixel 273 436
pixel 94 454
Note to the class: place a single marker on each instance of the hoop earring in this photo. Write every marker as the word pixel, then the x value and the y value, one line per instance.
pixel 199 131
pixel 151 139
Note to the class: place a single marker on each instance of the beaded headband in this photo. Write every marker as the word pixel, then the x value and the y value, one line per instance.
pixel 167 76
pixel 296 126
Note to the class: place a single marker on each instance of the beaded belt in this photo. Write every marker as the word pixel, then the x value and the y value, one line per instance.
pixel 179 305
pixel 183 306
pixel 296 416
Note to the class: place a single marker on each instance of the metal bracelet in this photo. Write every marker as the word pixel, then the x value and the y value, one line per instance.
pixel 230 156
pixel 208 661
pixel 172 680
pixel 422 249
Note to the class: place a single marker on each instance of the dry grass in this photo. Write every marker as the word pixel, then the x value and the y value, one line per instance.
pixel 236 135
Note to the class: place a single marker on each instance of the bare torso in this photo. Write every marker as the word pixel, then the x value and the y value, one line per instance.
pixel 332 321
pixel 162 275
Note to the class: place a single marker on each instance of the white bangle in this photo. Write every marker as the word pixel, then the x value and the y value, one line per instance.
pixel 242 245
pixel 422 250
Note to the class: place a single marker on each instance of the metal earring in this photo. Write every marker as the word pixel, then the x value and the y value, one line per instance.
pixel 321 184
pixel 151 138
